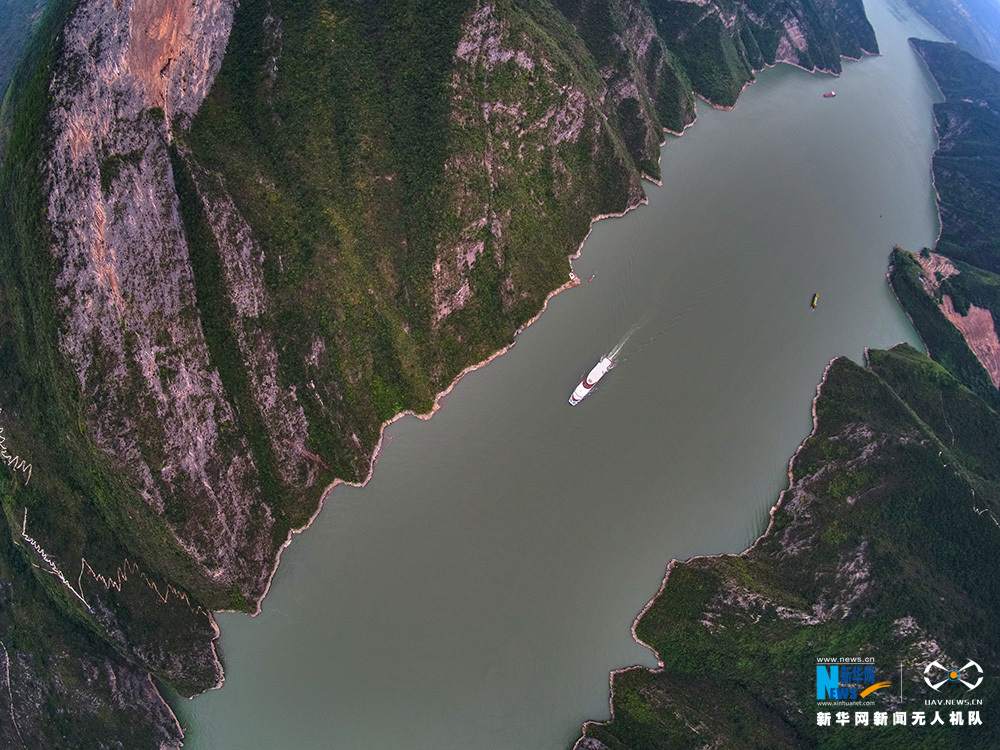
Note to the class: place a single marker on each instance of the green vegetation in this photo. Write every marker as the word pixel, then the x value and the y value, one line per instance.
pixel 713 57
pixel 973 286
pixel 719 57
pixel 338 166
pixel 362 153
pixel 17 20
pixel 973 24
pixel 59 701
pixel 337 132
pixel 217 314
pixel 112 165
pixel 944 342
pixel 838 574
pixel 660 97
pixel 77 506
pixel 336 161
pixel 884 541
pixel 965 166
pixel 76 495
pixel 967 161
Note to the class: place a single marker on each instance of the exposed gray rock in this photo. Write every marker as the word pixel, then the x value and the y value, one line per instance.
pixel 131 326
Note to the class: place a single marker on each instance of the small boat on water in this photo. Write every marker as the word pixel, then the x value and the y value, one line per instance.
pixel 829 94
pixel 815 300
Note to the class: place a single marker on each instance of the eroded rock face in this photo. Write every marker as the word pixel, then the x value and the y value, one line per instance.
pixel 976 325
pixel 132 693
pixel 167 312
pixel 242 263
pixel 533 124
pixel 524 112
pixel 979 330
pixel 131 327
pixel 647 58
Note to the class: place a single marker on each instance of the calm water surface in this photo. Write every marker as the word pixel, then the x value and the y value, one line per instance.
pixel 479 590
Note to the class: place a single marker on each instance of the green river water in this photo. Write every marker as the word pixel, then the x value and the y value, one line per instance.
pixel 477 593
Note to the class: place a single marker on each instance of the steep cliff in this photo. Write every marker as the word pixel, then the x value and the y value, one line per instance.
pixel 410 199
pixel 961 276
pixel 95 601
pixel 237 240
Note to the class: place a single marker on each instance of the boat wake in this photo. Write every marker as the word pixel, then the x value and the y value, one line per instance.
pixel 619 347
pixel 624 340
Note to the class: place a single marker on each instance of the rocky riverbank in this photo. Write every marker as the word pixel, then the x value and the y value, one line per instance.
pixel 238 241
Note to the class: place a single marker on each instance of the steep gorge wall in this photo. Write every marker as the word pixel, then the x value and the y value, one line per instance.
pixel 518 109
pixel 236 285
pixel 131 326
pixel 97 586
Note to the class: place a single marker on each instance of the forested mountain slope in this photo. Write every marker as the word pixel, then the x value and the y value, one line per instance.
pixel 950 293
pixel 234 241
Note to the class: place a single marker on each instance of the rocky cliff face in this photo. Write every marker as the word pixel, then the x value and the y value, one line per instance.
pixel 270 228
pixel 535 104
pixel 132 331
pixel 519 113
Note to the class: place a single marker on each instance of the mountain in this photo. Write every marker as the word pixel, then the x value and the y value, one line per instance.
pixel 17 19
pixel 950 292
pixel 973 24
pixel 236 240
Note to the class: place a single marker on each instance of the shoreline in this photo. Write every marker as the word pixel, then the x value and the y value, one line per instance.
pixel 770 66
pixel 573 281
pixel 170 710
pixel 888 280
pixel 937 137
pixel 774 508
pixel 674 561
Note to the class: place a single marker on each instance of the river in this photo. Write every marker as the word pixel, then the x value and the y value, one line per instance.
pixel 477 593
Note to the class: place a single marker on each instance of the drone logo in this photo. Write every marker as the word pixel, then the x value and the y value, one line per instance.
pixel 953 675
